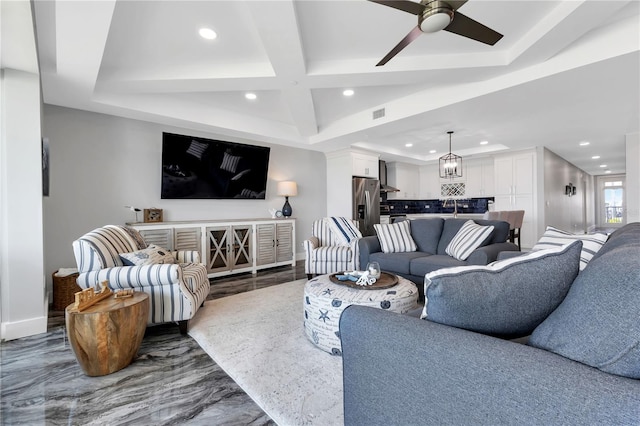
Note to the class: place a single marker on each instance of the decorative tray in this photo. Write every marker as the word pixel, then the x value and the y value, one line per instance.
pixel 386 280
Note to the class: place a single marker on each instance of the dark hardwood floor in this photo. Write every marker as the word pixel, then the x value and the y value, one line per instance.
pixel 171 382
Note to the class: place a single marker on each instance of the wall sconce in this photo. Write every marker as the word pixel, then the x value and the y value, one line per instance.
pixel 569 190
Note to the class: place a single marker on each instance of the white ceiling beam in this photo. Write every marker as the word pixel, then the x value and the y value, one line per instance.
pixel 277 24
pixel 79 48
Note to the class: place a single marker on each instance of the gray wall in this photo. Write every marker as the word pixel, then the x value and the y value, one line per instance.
pixel 576 213
pixel 101 163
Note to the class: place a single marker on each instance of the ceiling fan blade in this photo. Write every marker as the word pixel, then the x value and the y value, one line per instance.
pixel 404 5
pixel 467 27
pixel 413 34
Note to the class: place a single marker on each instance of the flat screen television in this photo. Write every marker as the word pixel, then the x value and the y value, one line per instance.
pixel 194 167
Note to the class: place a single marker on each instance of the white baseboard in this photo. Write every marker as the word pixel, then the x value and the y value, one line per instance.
pixel 18 329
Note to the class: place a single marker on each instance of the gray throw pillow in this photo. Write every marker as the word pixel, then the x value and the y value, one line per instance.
pixel 597 323
pixel 508 298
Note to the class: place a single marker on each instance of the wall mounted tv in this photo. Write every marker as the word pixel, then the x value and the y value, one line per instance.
pixel 195 167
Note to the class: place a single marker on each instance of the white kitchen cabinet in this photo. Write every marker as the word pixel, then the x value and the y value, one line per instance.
pixel 228 247
pixel 405 177
pixel 515 186
pixel 479 178
pixel 365 165
pixel 429 182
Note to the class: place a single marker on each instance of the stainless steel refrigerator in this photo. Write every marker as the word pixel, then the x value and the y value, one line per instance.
pixel 366 203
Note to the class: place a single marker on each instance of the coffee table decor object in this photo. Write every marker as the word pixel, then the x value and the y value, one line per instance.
pixel 325 297
pixel 386 280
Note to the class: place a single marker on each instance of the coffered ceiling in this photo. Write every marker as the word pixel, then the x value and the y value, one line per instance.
pixel 564 72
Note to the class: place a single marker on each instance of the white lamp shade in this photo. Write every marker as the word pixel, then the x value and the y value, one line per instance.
pixel 287 188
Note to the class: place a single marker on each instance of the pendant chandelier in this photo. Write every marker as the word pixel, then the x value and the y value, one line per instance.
pixel 450 164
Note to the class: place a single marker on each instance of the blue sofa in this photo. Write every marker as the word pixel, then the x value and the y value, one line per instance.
pixel 432 236
pixel 580 366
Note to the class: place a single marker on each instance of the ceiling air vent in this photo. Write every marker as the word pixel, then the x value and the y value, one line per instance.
pixel 379 113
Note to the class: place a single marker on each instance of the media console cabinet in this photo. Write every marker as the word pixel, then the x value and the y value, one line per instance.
pixel 228 247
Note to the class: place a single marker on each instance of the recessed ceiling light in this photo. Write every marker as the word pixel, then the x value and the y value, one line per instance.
pixel 250 96
pixel 603 165
pixel 484 142
pixel 584 143
pixel 408 145
pixel 207 33
pixel 348 92
pixel 595 157
pixel 607 171
pixel 433 151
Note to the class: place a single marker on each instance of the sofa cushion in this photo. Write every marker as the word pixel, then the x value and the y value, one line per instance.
pixel 554 237
pixel 344 230
pixel 395 237
pixel 426 233
pixel 506 298
pixel 398 263
pixel 421 266
pixel 152 255
pixel 597 323
pixel 469 237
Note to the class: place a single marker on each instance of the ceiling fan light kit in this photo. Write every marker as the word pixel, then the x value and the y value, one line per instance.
pixel 435 19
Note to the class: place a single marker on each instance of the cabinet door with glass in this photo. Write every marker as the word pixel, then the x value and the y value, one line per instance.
pixel 228 248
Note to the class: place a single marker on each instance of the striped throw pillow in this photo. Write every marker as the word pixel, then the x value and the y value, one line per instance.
pixel 469 237
pixel 395 237
pixel 230 162
pixel 197 149
pixel 554 237
pixel 344 230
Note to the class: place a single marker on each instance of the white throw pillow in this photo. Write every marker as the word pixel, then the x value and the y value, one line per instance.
pixel 470 236
pixel 591 243
pixel 395 237
pixel 152 255
pixel 344 231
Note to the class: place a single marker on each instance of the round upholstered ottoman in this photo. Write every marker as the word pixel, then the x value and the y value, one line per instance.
pixel 325 300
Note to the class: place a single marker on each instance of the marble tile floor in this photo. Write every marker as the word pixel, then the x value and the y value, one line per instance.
pixel 171 382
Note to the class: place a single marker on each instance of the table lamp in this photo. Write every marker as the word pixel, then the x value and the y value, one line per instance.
pixel 287 189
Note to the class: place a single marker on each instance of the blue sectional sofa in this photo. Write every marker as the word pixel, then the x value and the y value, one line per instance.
pixel 581 364
pixel 432 236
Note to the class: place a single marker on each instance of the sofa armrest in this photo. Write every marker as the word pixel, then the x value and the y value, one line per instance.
pixel 135 277
pixel 366 246
pixel 487 254
pixel 310 244
pixel 399 370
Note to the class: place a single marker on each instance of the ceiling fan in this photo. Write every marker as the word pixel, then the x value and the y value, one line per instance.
pixel 434 15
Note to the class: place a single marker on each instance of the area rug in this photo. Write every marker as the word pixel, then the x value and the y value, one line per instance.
pixel 258 339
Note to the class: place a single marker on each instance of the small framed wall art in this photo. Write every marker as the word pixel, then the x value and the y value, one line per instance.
pixel 152 215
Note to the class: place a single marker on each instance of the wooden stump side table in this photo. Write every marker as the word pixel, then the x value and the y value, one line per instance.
pixel 106 336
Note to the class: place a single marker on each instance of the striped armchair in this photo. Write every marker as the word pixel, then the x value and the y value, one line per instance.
pixel 324 256
pixel 176 290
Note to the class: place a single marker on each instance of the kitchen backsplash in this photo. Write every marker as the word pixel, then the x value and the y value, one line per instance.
pixel 470 205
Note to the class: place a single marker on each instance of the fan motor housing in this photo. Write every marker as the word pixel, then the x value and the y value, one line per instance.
pixel 437 16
